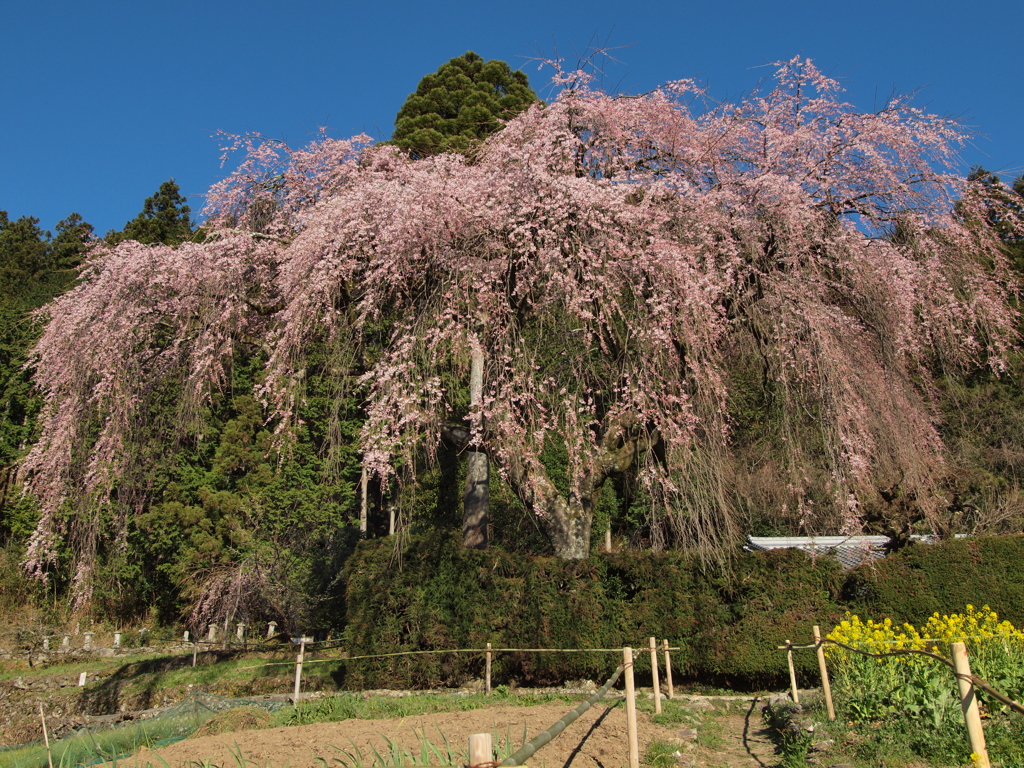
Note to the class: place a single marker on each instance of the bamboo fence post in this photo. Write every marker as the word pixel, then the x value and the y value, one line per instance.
pixel 654 676
pixel 668 670
pixel 46 736
pixel 826 687
pixel 634 745
pixel 792 673
pixel 487 672
pixel 298 669
pixel 481 750
pixel 969 704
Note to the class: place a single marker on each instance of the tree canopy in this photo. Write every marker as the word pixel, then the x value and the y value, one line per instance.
pixel 35 266
pixel 617 259
pixel 456 107
pixel 164 218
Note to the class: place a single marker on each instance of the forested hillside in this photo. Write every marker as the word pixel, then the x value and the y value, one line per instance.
pixel 675 323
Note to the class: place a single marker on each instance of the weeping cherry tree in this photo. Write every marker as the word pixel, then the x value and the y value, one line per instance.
pixel 608 255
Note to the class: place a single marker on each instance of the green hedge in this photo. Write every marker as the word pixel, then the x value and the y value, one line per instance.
pixel 436 595
pixel 728 621
pixel 922 579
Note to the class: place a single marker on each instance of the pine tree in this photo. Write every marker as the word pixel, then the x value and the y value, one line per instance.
pixel 456 107
pixel 164 219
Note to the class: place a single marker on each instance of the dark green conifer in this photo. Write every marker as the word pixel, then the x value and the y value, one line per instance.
pixel 164 219
pixel 456 107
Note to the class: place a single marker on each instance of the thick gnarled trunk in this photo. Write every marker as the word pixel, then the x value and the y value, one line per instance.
pixel 568 529
pixel 567 523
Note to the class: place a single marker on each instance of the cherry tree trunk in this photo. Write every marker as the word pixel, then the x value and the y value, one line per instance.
pixel 476 499
pixel 568 529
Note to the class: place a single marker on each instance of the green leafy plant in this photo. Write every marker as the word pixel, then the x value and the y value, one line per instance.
pixel 661 754
pixel 882 694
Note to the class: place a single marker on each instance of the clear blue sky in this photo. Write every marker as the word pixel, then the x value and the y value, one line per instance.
pixel 104 100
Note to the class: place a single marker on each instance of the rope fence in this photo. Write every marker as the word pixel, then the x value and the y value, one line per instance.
pixel 959 665
pixel 307 644
pixel 625 669
pixel 434 651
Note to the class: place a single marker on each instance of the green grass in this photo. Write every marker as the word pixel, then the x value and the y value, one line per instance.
pixel 661 754
pixel 72 667
pixel 672 712
pixel 145 673
pixel 709 733
pixel 344 706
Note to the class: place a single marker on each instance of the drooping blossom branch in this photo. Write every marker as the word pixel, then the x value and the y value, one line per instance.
pixel 609 255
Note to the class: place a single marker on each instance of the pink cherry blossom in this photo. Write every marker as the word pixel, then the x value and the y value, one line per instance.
pixel 611 255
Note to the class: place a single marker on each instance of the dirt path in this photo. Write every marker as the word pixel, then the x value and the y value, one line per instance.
pixel 736 741
pixel 596 740
pixel 729 737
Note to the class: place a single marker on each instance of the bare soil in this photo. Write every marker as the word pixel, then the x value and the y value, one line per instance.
pixel 596 740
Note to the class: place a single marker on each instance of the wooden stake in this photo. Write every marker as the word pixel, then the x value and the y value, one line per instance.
pixel 826 687
pixel 195 652
pixel 481 750
pixel 487 672
pixel 969 704
pixel 46 736
pixel 654 676
pixel 668 670
pixel 634 744
pixel 792 675
pixel 364 502
pixel 298 669
pixel 608 538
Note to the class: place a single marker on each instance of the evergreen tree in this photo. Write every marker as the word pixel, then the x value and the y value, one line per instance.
pixel 22 253
pixel 69 246
pixel 1006 206
pixel 34 267
pixel 164 219
pixel 456 107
